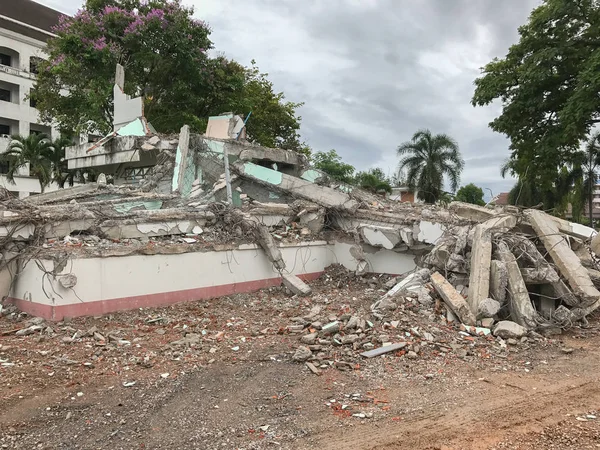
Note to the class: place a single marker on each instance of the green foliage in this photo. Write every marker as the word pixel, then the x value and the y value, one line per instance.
pixel 548 86
pixel 373 180
pixel 427 158
pixel 445 199
pixel 331 163
pixel 470 194
pixel 34 149
pixel 273 122
pixel 164 52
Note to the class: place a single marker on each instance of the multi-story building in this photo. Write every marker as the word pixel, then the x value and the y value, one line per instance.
pixel 25 26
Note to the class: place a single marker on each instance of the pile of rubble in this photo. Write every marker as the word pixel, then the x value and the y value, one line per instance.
pixel 515 276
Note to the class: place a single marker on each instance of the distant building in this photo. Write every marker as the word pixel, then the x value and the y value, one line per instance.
pixel 402 194
pixel 500 199
pixel 25 26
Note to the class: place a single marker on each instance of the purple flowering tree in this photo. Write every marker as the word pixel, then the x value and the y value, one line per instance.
pixel 162 47
pixel 164 52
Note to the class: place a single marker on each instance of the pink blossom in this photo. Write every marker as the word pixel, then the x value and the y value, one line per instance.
pixel 100 44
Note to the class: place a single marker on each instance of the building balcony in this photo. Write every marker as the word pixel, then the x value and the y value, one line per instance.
pixel 17 72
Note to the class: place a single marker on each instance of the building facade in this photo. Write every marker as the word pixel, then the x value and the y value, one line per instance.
pixel 25 26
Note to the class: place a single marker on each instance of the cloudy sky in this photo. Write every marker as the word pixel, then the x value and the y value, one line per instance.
pixel 372 72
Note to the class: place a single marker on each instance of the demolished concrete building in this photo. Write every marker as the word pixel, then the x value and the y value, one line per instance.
pixel 193 216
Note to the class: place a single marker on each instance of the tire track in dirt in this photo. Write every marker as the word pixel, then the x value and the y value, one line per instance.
pixel 486 420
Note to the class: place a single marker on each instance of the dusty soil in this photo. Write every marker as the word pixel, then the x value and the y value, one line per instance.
pixel 237 387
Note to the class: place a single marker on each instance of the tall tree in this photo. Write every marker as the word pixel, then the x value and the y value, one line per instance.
pixel 470 194
pixel 331 163
pixel 34 150
pixel 164 52
pixel 427 158
pixel 161 46
pixel 373 180
pixel 548 87
pixel 274 121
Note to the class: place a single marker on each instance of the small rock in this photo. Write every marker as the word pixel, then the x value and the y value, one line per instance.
pixel 309 339
pixel 507 329
pixel 567 350
pixel 412 355
pixel 302 354
pixel 99 337
pixel 352 323
pixel 511 341
pixel 349 339
pixel 487 322
pixel 331 328
pixel 488 307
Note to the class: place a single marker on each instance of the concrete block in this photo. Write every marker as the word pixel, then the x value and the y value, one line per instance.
pixel 295 284
pixel 453 299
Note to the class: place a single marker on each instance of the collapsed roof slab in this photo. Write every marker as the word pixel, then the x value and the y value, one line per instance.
pixel 297 187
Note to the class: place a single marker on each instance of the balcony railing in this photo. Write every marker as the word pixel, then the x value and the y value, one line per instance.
pixel 17 72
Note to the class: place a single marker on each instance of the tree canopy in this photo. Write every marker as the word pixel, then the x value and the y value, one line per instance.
pixel 548 87
pixel 165 54
pixel 374 180
pixel 470 194
pixel 427 158
pixel 331 163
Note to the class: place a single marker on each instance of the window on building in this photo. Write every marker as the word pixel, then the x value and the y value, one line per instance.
pixel 5 59
pixel 32 102
pixel 4 95
pixel 34 63
pixel 4 130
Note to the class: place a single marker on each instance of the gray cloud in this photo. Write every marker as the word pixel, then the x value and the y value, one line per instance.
pixel 372 72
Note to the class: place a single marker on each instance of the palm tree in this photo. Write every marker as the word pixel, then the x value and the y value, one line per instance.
pixel 426 158
pixel 60 172
pixel 34 150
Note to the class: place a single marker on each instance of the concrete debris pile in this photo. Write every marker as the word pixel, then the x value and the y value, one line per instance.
pixel 407 322
pixel 531 268
pixel 216 199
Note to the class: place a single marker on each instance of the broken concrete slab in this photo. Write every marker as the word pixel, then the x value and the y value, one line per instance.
pixel 565 259
pixel 509 330
pixel 471 212
pixel 383 350
pixel 295 284
pixel 498 281
pixel 481 258
pixel 298 187
pixel 453 299
pixel 386 237
pixel 521 308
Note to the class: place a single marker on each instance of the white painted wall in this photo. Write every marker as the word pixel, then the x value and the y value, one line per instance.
pixel 102 279
pixel 25 185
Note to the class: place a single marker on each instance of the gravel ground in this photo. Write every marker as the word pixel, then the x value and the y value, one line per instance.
pixel 220 374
